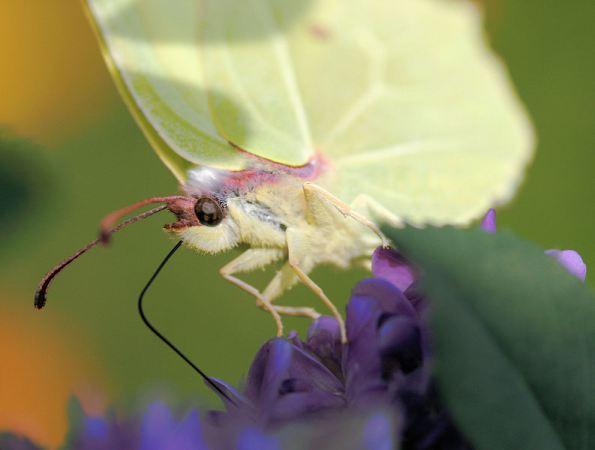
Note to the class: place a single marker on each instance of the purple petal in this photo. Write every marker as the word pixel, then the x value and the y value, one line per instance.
pixel 269 369
pixel 488 224
pixel 155 425
pixel 324 331
pixel 95 428
pixel 571 261
pixel 371 300
pixel 385 297
pixel 98 433
pixel 392 266
pixel 159 430
pixel 253 439
pixel 379 433
pixel 299 405
pixel 307 368
pixel 234 399
pixel 400 345
pixel 361 360
pixel 309 387
pixel 186 435
pixel 324 340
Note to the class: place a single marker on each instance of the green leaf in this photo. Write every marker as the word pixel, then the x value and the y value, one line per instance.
pixel 514 338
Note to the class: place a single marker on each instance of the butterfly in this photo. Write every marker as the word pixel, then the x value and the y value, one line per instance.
pixel 297 127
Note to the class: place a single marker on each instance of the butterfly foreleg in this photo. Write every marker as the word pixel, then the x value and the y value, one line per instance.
pixel 248 261
pixel 298 261
pixel 284 280
pixel 315 192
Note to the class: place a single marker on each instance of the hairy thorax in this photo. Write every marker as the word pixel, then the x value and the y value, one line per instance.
pixel 263 211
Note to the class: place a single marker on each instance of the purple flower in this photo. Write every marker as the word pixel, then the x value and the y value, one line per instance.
pixel 569 259
pixel 385 366
pixel 291 379
pixel 160 431
pixel 488 223
pixel 376 392
pixel 157 429
pixel 393 267
pixel 97 433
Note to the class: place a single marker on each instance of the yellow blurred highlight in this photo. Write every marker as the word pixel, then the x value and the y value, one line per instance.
pixel 40 368
pixel 52 78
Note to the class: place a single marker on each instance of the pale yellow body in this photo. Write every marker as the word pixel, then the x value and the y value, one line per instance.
pixel 294 221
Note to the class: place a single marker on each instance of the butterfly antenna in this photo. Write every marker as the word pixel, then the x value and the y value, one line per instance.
pixel 41 292
pixel 108 222
pixel 167 342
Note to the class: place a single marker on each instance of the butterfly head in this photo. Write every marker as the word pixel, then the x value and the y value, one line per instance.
pixel 204 223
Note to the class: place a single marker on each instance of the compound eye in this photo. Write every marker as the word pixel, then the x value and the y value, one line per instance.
pixel 209 211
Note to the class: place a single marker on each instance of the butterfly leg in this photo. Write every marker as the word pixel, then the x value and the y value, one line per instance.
pixel 298 261
pixel 313 190
pixel 371 208
pixel 284 280
pixel 301 311
pixel 250 260
pixel 253 259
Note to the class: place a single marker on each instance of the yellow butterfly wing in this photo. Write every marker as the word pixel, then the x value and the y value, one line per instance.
pixel 402 97
pixel 436 135
pixel 152 50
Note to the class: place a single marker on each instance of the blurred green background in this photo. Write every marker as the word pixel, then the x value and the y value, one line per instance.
pixel 70 153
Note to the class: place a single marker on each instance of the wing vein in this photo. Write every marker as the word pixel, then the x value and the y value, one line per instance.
pixel 257 115
pixel 420 146
pixel 288 74
pixel 356 109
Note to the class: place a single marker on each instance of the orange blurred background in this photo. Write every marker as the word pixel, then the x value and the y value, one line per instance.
pixel 51 83
pixel 51 86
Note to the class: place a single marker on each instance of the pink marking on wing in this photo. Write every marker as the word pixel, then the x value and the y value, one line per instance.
pixel 262 172
pixel 319 31
pixel 268 172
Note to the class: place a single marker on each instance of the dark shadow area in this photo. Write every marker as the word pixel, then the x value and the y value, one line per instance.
pixel 235 112
pixel 25 185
